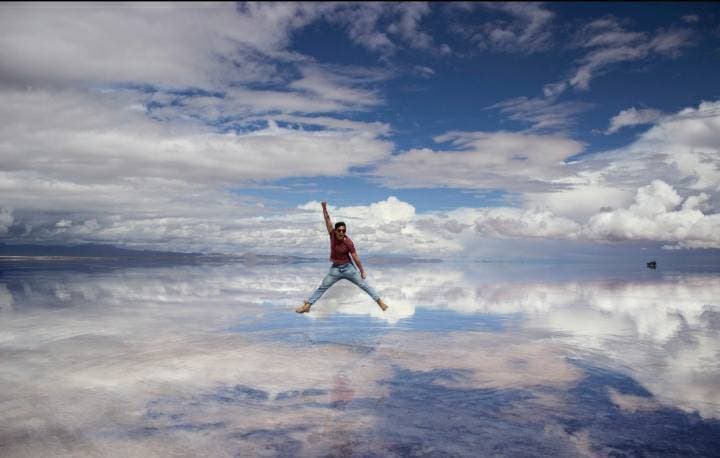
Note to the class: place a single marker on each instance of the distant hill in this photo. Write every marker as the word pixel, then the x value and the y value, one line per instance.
pixel 88 250
pixel 99 252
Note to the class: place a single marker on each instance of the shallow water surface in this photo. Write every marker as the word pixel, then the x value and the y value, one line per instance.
pixel 471 359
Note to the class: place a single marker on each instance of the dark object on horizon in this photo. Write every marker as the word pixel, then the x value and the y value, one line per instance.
pixel 652 265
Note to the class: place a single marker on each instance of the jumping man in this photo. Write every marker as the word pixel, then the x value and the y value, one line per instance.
pixel 341 248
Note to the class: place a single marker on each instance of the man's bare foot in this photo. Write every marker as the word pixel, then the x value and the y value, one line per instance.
pixel 382 304
pixel 304 308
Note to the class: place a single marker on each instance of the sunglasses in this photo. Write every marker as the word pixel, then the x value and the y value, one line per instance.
pixel 340 230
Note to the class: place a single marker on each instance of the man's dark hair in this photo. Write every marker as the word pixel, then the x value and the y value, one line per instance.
pixel 340 223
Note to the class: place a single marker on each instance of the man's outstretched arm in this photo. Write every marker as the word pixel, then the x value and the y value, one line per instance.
pixel 359 265
pixel 326 215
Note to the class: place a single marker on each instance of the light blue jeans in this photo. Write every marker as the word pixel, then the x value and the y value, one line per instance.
pixel 337 273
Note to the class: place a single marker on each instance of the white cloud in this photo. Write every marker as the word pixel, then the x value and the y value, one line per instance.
pixel 553 89
pixel 655 216
pixel 163 44
pixel 379 129
pixel 680 149
pixel 524 223
pixel 93 138
pixel 87 161
pixel 384 27
pixel 6 220
pixel 200 46
pixel 385 227
pixel 528 30
pixel 611 43
pixel 671 42
pixel 335 87
pixel 423 71
pixel 505 160
pixel 88 156
pixel 125 178
pixel 83 159
pixel 633 117
pixel 121 157
pixel 656 198
pixel 177 216
pixel 382 212
pixel 543 113
pixel 361 21
pixel 407 26
pixel 580 198
pixel 663 187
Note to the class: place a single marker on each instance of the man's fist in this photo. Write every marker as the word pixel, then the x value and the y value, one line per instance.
pixel 323 203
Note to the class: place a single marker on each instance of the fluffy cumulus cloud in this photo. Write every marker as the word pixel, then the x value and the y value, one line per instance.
pixel 607 198
pixel 664 186
pixel 387 211
pixel 657 214
pixel 386 227
pixel 140 125
pixel 134 124
pixel 124 176
pixel 680 149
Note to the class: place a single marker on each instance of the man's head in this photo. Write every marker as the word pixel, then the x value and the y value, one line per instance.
pixel 340 230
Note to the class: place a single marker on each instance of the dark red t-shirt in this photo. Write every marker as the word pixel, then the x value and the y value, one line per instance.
pixel 340 249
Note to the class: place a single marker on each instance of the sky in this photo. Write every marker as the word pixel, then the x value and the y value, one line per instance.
pixel 444 130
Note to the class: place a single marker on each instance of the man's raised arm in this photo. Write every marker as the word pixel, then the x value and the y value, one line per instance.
pixel 328 221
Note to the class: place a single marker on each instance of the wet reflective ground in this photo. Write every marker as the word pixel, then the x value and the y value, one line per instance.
pixel 474 359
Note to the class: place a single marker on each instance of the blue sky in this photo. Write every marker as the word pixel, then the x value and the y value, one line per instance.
pixel 435 129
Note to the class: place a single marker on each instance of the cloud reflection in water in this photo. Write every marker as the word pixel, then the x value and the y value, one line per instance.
pixel 472 359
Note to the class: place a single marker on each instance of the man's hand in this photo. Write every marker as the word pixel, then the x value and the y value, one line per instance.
pixel 363 274
pixel 324 204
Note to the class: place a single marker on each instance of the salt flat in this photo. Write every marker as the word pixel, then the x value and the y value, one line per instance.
pixel 471 359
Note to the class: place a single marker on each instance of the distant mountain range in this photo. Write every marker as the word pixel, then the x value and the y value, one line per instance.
pixel 88 250
pixel 100 252
pixel 95 251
